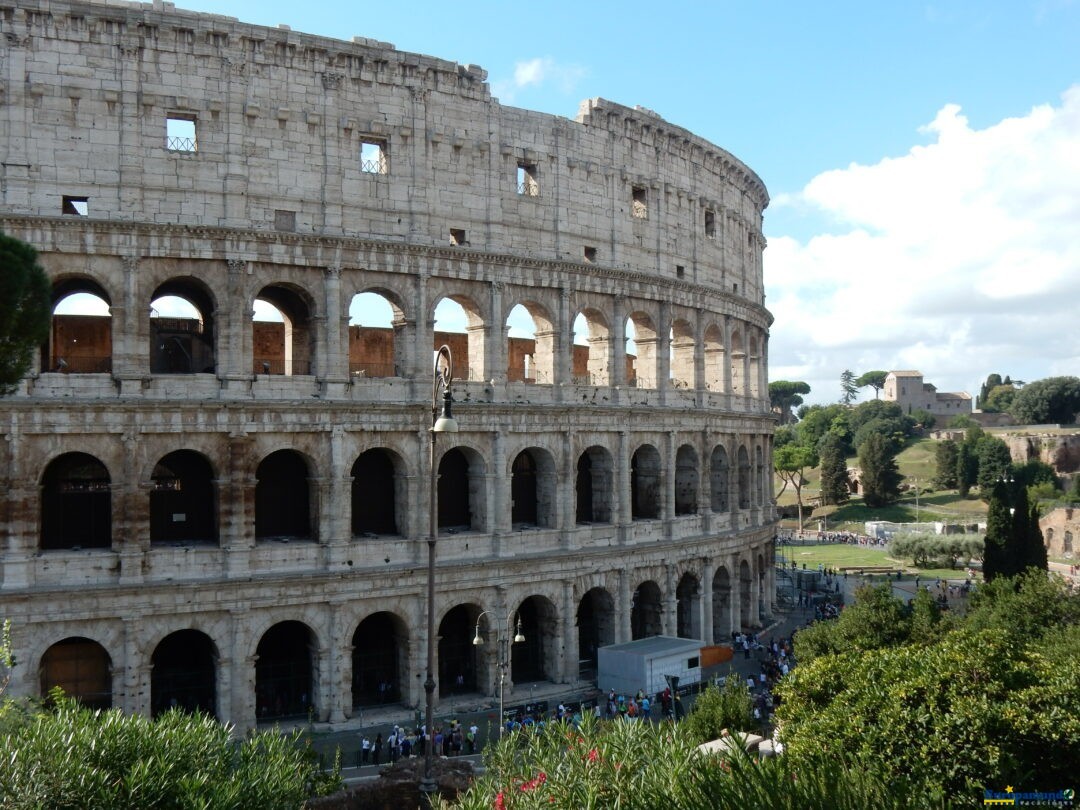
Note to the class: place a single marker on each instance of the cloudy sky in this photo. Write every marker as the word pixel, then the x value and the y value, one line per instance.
pixel 923 158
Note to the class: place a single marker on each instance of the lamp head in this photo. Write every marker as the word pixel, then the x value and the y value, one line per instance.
pixel 519 636
pixel 477 641
pixel 446 422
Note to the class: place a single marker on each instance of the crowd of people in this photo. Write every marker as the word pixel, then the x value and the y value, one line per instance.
pixel 402 743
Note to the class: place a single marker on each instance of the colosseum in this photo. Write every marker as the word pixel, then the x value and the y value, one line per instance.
pixel 218 478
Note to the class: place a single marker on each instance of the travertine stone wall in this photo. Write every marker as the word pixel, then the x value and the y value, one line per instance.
pixel 625 217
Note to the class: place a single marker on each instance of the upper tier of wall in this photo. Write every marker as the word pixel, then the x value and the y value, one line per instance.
pixel 280 118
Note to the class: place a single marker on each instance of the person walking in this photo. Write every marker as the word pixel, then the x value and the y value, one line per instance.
pixel 376 748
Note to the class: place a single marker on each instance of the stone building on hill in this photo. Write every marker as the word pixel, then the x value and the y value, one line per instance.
pixel 908 390
pixel 206 510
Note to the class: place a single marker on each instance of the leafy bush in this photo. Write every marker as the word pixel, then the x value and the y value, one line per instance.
pixel 72 757
pixel 715 709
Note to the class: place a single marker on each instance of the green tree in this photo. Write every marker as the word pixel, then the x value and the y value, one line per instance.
pixel 835 487
pixel 849 389
pixel 791 461
pixel 994 461
pixel 875 379
pixel 817 420
pixel 1052 400
pixel 25 304
pixel 880 477
pixel 715 709
pixel 997 558
pixel 967 460
pixel 785 395
pixel 1000 399
pixel 876 620
pixel 992 382
pixel 945 453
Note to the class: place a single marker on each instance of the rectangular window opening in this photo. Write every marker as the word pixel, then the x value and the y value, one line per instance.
pixel 679 270
pixel 735 287
pixel 373 156
pixel 640 205
pixel 457 237
pixel 590 254
pixel 693 663
pixel 284 220
pixel 180 133
pixel 75 206
pixel 528 180
pixel 710 223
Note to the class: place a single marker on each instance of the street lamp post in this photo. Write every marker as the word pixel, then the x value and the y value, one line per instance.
pixel 503 642
pixel 441 422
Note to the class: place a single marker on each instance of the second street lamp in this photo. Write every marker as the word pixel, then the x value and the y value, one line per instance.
pixel 503 641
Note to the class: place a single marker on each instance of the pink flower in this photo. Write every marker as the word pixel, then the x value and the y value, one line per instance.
pixel 594 755
pixel 500 801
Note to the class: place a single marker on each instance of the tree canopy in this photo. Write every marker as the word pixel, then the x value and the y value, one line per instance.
pixel 1054 400
pixel 25 305
pixel 785 395
pixel 849 389
pixel 874 379
pixel 879 475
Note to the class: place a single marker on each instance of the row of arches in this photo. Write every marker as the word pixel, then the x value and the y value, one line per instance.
pixel 290 663
pixel 286 332
pixel 183 493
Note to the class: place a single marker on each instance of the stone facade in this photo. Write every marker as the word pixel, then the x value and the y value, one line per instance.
pixel 208 511
pixel 908 390
pixel 1059 528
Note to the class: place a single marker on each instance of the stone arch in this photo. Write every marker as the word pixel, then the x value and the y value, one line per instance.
pixel 686 480
pixel 378 493
pixel 683 346
pixel 719 480
pixel 76 503
pixel 722 607
pixel 753 386
pixel 737 355
pixel 183 674
pixel 535 658
pixel 646 611
pixel 714 357
pixel 743 474
pixel 458 658
pixel 380 660
pixel 591 363
pixel 283 497
pixel 462 473
pixel 594 486
pixel 183 499
pixel 287 347
pixel 688 606
pixel 759 476
pixel 1067 542
pixel 746 583
pixel 285 679
pixel 378 345
pixel 532 359
pixel 644 363
pixel 82 668
pixel 645 483
pixel 183 341
pixel 79 343
pixel 532 489
pixel 596 629
pixel 467 347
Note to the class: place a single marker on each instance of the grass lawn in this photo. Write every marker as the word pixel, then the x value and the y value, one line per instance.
pixel 840 555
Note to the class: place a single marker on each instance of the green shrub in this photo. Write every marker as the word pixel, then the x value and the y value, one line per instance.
pixel 715 709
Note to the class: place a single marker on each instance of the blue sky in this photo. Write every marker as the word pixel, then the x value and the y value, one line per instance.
pixel 923 158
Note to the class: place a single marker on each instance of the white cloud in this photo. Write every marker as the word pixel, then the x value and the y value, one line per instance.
pixel 534 73
pixel 960 258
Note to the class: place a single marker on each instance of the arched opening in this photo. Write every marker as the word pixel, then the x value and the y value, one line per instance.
pixel 377 344
pixel 760 484
pixel 182 328
pixel 646 611
pixel 1067 542
pixel 282 498
pixel 682 354
pixel 375 484
pixel 594 486
pixel 746 583
pixel 591 358
pixel 76 503
pixel 721 586
pixel 283 672
pixel 688 607
pixel 738 355
pixel 530 346
pixel 183 506
pixel 719 483
pixel 596 629
pixel 459 324
pixel 714 358
pixel 686 481
pixel 454 489
pixel 283 340
pixel 641 356
pixel 80 336
pixel 184 674
pixel 645 483
pixel 744 478
pixel 753 386
pixel 457 653
pixel 379 659
pixel 532 489
pixel 81 668
pixel 534 659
